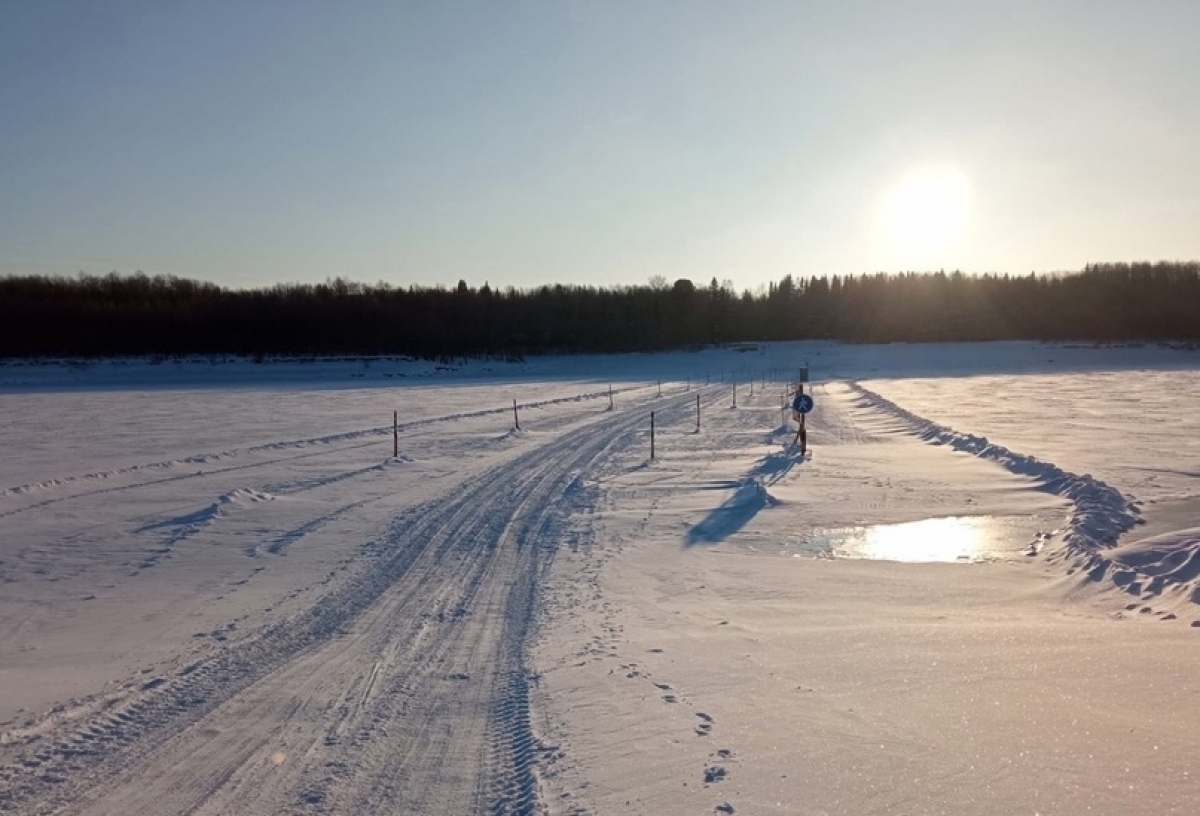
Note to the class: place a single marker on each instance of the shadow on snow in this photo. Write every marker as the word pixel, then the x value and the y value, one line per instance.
pixel 749 497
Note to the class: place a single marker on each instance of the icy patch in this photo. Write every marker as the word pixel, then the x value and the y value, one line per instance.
pixel 1101 513
pixel 954 539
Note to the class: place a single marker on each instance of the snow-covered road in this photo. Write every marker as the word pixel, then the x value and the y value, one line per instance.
pixel 235 600
pixel 396 685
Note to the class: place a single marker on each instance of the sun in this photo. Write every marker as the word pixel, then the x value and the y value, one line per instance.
pixel 926 211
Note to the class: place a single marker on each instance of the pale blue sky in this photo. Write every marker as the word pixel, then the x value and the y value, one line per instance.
pixel 255 142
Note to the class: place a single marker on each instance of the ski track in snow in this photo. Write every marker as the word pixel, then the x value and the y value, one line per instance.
pixel 403 688
pixel 1101 512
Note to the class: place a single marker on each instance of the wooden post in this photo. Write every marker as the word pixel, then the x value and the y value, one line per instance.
pixel 735 395
pixel 651 434
pixel 610 402
pixel 697 412
pixel 516 419
pixel 395 434
pixel 751 388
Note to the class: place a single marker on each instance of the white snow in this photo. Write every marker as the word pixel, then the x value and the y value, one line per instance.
pixel 221 593
pixel 1100 513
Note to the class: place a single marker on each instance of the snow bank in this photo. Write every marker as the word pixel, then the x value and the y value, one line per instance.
pixel 1167 558
pixel 1101 512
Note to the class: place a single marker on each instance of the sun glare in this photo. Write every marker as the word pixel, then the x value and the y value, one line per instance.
pixel 926 211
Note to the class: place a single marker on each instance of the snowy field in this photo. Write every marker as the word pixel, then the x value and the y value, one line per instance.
pixel 220 592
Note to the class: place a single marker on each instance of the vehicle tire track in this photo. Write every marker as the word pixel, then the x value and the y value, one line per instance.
pixel 206 458
pixel 452 587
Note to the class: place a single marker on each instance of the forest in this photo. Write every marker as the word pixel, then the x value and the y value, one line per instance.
pixel 118 315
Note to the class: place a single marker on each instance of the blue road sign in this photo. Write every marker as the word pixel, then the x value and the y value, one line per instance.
pixel 802 404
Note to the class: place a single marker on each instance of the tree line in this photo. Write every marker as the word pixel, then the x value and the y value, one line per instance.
pixel 111 315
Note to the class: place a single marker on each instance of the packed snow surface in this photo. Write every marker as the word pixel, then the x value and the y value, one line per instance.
pixel 222 590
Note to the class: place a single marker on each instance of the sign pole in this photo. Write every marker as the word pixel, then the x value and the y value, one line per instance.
pixel 651 434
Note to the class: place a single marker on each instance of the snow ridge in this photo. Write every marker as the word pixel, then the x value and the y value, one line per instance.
pixel 290 444
pixel 1101 512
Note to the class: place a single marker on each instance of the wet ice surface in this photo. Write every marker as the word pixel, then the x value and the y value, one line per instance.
pixel 947 539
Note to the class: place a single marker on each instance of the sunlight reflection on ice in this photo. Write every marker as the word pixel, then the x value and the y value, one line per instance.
pixel 956 538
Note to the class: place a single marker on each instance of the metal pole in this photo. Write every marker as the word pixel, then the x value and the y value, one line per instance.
pixel 651 434
pixel 697 412
pixel 395 434
pixel 516 419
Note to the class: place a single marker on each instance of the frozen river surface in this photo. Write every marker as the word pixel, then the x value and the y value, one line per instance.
pixel 220 592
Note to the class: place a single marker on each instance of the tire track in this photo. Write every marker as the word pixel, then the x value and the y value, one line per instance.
pixel 206 458
pixel 452 586
pixel 179 477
